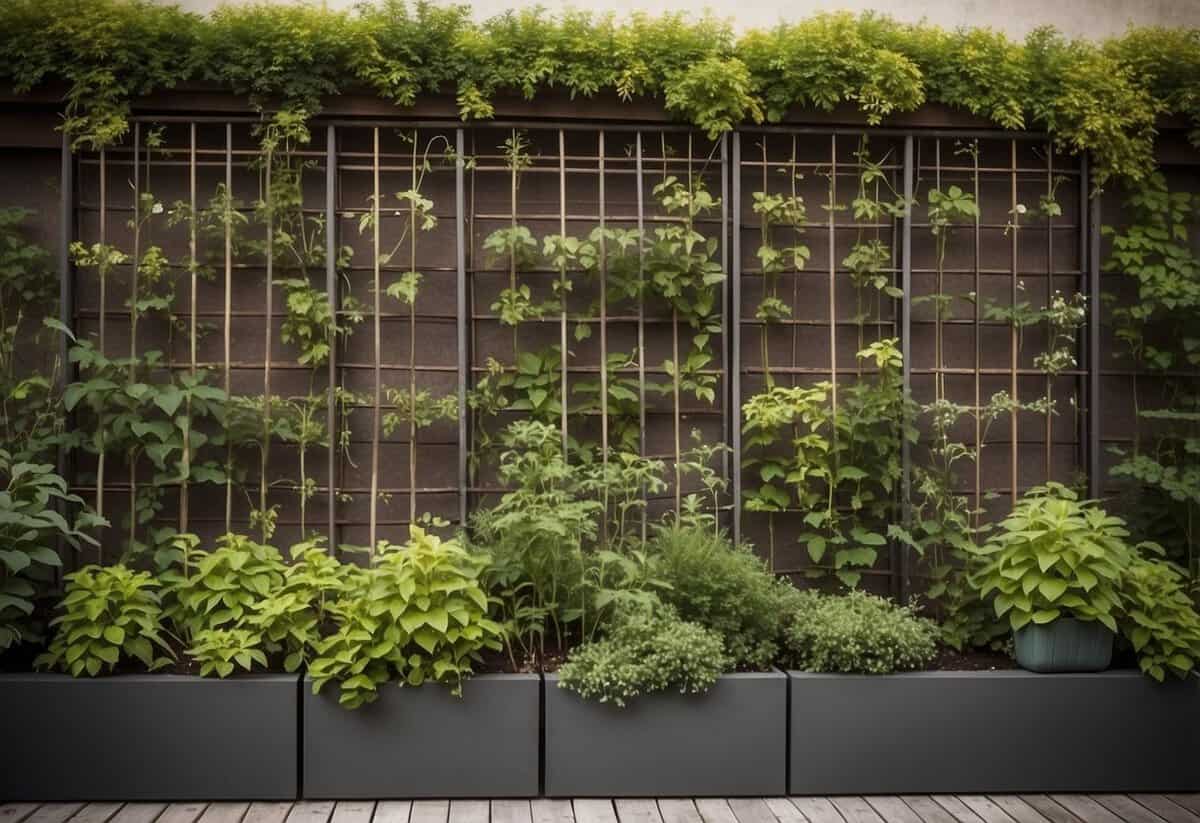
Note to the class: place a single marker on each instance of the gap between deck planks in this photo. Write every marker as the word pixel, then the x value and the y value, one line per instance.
pixel 1057 808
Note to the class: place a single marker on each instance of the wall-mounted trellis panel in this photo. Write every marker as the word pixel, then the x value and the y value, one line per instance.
pixel 830 240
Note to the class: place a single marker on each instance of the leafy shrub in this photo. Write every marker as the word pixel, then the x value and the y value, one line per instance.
pixel 419 613
pixel 290 618
pixel 223 587
pixel 221 651
pixel 725 588
pixel 110 614
pixel 1055 555
pixel 857 633
pixel 645 652
pixel 1159 618
pixel 29 530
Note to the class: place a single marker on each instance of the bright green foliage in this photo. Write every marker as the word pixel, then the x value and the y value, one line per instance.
pixel 107 51
pixel 645 652
pixel 843 467
pixel 111 614
pixel 831 59
pixel 291 617
pixel 419 614
pixel 30 527
pixel 1054 556
pixel 724 588
pixel 1101 98
pixel 857 633
pixel 222 587
pixel 221 651
pixel 1159 618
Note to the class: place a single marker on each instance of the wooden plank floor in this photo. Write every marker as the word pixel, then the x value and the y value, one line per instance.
pixel 1055 808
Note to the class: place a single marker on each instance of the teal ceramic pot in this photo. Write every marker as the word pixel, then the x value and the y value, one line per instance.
pixel 1064 645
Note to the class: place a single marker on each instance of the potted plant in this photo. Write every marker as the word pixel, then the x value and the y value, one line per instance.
pixel 417 617
pixel 677 695
pixel 107 729
pixel 1054 568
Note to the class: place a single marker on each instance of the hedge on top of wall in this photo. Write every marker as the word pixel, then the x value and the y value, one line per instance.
pixel 1102 98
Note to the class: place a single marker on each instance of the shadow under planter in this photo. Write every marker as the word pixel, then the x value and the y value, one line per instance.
pixel 425 742
pixel 729 741
pixel 984 732
pixel 148 737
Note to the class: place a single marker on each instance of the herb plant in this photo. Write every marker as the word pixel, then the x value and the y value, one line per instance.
pixel 857 633
pixel 643 653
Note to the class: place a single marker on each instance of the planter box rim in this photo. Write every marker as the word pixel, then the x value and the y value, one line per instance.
pixel 144 677
pixel 774 674
pixel 486 676
pixel 1003 674
pixel 1011 674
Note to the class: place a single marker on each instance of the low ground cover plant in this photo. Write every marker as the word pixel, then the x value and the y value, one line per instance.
pixel 857 633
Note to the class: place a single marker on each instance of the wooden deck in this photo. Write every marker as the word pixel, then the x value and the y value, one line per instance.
pixel 1058 808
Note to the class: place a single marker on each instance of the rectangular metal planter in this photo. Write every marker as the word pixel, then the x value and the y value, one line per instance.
pixel 1002 731
pixel 148 737
pixel 425 742
pixel 729 741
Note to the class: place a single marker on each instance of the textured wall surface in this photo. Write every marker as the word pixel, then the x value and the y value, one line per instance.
pixel 1089 18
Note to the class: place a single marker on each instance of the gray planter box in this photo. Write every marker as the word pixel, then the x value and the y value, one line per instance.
pixel 425 742
pixel 148 737
pixel 729 741
pixel 983 732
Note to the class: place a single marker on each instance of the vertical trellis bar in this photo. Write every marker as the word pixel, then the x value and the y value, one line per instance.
pixel 726 364
pixel 833 398
pixel 461 321
pixel 228 316
pixel 906 351
pixel 103 321
pixel 66 286
pixel 137 243
pixel 1049 299
pixel 978 390
pixel 1015 334
pixel 269 287
pixel 641 324
pixel 562 230
pixel 331 291
pixel 133 311
pixel 192 293
pixel 1093 336
pixel 412 342
pixel 603 264
pixel 734 319
pixel 378 336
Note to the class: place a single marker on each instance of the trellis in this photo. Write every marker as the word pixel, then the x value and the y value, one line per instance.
pixel 581 177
